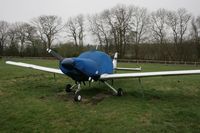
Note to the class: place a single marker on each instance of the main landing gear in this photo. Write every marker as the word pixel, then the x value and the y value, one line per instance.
pixel 118 92
pixel 77 96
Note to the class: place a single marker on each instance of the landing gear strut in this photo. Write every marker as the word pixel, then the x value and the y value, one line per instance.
pixel 118 92
pixel 70 87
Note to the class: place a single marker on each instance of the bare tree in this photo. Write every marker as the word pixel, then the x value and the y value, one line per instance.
pixel 195 30
pixel 31 33
pixel 110 20
pixel 75 29
pixel 173 22
pixel 48 27
pixel 198 22
pixel 21 36
pixel 12 37
pixel 139 23
pixel 101 29
pixel 119 20
pixel 184 18
pixel 198 27
pixel 195 33
pixel 94 28
pixel 71 28
pixel 31 36
pixel 139 26
pixel 178 23
pixel 3 35
pixel 158 25
pixel 80 21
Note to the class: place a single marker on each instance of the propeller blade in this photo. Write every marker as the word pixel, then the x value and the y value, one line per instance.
pixel 56 55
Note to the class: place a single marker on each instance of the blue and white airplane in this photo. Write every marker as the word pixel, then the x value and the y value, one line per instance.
pixel 95 66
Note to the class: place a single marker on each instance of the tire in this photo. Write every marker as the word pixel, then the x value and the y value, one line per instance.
pixel 68 88
pixel 120 92
pixel 77 97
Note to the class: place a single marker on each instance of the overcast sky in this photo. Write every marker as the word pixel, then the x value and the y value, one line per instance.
pixel 24 10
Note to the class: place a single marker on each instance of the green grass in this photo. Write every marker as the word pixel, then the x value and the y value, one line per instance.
pixel 32 101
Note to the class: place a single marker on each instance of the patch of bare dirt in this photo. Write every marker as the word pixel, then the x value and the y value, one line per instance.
pixel 98 98
pixel 85 100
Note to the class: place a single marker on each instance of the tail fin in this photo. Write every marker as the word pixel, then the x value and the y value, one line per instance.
pixel 115 68
pixel 115 61
pixel 56 55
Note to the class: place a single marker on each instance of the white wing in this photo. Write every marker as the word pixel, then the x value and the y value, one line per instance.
pixel 149 74
pixel 41 68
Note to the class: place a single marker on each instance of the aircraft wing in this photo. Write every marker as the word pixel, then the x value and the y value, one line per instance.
pixel 149 74
pixel 41 68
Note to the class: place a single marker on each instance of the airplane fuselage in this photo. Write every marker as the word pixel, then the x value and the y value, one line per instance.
pixel 90 64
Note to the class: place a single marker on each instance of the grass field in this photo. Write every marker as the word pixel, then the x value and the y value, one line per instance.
pixel 32 101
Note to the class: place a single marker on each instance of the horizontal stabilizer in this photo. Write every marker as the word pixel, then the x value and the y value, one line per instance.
pixel 129 69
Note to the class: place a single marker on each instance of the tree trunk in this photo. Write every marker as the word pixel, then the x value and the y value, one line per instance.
pixel 1 48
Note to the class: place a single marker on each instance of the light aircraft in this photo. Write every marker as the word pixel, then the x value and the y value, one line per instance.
pixel 95 66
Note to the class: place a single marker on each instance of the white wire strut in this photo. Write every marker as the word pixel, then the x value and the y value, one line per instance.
pixel 73 86
pixel 79 88
pixel 112 88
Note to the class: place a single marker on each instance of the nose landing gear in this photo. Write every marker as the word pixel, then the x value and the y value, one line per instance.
pixel 77 96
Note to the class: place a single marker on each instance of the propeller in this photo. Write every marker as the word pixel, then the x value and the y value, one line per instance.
pixel 56 55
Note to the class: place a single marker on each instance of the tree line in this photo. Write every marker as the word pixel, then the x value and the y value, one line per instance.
pixel 132 31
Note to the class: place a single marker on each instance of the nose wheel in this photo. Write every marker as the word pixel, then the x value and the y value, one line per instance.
pixel 77 96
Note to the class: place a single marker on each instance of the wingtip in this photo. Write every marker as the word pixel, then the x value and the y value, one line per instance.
pixel 7 62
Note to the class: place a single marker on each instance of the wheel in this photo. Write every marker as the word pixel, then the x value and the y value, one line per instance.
pixel 77 97
pixel 68 88
pixel 120 92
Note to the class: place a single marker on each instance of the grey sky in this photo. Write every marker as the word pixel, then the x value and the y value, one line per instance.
pixel 24 10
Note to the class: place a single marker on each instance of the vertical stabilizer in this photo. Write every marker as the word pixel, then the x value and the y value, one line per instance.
pixel 115 61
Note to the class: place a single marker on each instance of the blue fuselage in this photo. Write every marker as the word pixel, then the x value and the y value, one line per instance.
pixel 88 64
